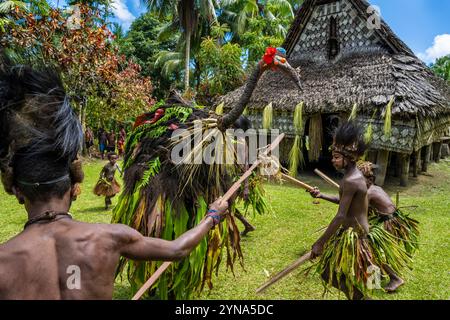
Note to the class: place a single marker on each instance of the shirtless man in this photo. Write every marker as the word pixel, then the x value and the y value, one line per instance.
pixel 352 212
pixel 380 204
pixel 55 256
pixel 40 262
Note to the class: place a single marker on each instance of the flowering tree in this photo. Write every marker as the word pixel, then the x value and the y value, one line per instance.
pixel 99 81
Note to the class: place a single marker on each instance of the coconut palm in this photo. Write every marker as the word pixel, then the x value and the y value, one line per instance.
pixel 186 15
pixel 237 13
pixel 164 198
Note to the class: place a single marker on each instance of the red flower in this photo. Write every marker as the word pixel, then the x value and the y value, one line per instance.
pixel 269 55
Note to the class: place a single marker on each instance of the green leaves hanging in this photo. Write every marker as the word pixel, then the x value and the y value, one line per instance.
pixel 267 116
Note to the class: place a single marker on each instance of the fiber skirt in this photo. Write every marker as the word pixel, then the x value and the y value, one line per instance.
pixel 403 228
pixel 106 188
pixel 356 261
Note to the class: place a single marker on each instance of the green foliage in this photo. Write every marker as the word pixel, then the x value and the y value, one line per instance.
pixel 267 116
pixel 143 46
pixel 388 118
pixel 442 68
pixel 221 66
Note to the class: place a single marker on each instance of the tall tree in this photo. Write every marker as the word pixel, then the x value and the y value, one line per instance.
pixel 142 45
pixel 442 68
pixel 186 15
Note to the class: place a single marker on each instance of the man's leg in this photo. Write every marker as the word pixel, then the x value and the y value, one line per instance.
pixel 107 202
pixel 357 295
pixel 247 225
pixel 395 280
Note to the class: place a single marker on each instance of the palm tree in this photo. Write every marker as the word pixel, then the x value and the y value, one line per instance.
pixel 237 13
pixel 186 15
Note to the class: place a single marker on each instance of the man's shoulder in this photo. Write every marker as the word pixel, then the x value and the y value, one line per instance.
pixel 354 181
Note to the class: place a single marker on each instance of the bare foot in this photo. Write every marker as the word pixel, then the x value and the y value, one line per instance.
pixel 248 229
pixel 394 284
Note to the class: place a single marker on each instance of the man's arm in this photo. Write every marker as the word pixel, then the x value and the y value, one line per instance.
pixel 134 245
pixel 315 193
pixel 344 205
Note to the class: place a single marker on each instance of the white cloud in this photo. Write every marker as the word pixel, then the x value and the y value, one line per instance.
pixel 121 11
pixel 440 48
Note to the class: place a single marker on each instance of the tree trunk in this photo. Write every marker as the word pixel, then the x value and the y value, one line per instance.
pixel 187 57
pixel 84 151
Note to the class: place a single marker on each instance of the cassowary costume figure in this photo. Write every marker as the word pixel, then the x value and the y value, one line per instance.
pixel 164 198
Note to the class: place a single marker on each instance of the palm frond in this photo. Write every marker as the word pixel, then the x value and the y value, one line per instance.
pixel 388 117
pixel 267 116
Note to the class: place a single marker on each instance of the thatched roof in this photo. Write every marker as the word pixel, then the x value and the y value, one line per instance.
pixel 369 79
pixel 371 67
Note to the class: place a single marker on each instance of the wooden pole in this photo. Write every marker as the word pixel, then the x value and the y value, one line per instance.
pixel 152 280
pixel 426 159
pixel 382 162
pixel 225 197
pixel 416 161
pixel 405 159
pixel 326 178
pixel 285 272
pixel 297 182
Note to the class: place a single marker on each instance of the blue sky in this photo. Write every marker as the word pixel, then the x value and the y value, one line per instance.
pixel 424 25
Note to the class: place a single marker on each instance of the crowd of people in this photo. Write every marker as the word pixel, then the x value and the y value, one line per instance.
pixel 107 141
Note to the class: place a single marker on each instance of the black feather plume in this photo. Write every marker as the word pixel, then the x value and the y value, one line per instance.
pixel 349 133
pixel 35 113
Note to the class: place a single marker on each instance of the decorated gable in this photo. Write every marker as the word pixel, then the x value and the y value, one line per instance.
pixel 335 28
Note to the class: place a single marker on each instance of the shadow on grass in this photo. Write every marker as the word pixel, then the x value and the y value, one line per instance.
pixel 94 210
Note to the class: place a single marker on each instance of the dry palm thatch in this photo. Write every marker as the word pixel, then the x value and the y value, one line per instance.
pixel 164 198
pixel 315 137
pixel 296 158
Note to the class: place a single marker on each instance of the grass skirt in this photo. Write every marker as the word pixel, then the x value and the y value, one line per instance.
pixel 106 188
pixel 353 260
pixel 403 228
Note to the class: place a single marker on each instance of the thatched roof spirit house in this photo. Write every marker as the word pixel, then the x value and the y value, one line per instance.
pixel 348 63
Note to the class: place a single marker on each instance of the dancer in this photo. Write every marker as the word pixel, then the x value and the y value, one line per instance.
pixel 55 256
pixel 107 184
pixel 350 251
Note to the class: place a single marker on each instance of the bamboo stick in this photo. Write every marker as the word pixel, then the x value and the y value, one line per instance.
pixel 285 272
pixel 297 182
pixel 225 197
pixel 326 178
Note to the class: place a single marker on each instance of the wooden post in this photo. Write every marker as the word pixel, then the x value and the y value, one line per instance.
pixel 416 161
pixel 382 162
pixel 372 156
pixel 437 151
pixel 396 161
pixel 426 158
pixel 404 161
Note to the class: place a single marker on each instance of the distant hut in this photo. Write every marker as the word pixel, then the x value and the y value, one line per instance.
pixel 349 63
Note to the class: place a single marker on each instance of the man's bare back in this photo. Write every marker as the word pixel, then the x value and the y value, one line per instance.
pixel 67 259
pixel 380 201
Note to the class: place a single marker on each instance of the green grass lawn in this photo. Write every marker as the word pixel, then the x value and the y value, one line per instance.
pixel 289 231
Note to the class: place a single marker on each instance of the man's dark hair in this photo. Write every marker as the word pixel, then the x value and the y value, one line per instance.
pixel 349 138
pixel 37 168
pixel 41 134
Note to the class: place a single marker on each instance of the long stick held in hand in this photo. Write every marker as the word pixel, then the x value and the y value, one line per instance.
pixel 326 178
pixel 297 182
pixel 225 197
pixel 285 272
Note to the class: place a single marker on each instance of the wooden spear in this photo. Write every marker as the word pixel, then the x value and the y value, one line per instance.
pixel 326 178
pixel 285 272
pixel 225 197
pixel 297 182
